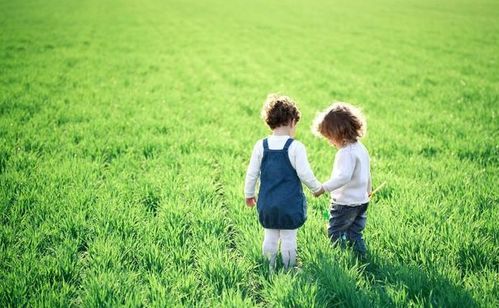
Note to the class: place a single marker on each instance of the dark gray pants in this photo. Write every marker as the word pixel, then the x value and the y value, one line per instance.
pixel 346 224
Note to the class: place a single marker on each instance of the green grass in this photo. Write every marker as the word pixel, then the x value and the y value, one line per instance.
pixel 126 128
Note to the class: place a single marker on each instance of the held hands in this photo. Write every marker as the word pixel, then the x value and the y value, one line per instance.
pixel 251 202
pixel 319 192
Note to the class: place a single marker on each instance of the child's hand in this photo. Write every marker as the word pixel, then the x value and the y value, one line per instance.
pixel 319 192
pixel 250 202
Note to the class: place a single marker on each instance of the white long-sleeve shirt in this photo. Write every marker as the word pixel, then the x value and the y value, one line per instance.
pixel 350 180
pixel 297 156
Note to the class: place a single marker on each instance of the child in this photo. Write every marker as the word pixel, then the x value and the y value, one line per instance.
pixel 281 163
pixel 350 183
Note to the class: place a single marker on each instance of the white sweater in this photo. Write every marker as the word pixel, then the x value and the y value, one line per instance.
pixel 297 156
pixel 350 180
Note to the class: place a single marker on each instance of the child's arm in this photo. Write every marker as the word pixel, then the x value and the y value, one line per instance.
pixel 319 192
pixel 303 169
pixel 251 202
pixel 252 174
pixel 344 165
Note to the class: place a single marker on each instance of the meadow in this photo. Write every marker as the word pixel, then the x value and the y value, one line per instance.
pixel 126 128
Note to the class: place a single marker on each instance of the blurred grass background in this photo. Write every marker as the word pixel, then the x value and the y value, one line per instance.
pixel 126 128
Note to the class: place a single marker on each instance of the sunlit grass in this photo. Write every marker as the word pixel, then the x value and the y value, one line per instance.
pixel 126 128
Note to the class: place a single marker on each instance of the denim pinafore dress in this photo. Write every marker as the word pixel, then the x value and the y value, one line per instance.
pixel 281 202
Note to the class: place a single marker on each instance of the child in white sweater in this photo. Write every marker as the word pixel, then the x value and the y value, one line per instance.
pixel 350 183
pixel 281 164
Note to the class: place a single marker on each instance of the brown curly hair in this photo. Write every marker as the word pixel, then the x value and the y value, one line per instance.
pixel 279 110
pixel 342 122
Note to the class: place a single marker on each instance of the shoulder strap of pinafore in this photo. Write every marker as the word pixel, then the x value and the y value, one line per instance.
pixel 287 144
pixel 265 144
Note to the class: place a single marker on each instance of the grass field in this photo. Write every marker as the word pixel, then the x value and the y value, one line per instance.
pixel 126 128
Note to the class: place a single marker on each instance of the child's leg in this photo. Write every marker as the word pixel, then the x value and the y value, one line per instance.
pixel 288 247
pixel 270 245
pixel 355 231
pixel 340 219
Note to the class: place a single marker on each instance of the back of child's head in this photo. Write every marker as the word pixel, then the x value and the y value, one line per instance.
pixel 279 110
pixel 342 122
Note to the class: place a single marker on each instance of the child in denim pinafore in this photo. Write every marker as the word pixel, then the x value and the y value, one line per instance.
pixel 281 164
pixel 281 203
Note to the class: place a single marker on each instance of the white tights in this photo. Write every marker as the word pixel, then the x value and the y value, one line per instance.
pixel 288 246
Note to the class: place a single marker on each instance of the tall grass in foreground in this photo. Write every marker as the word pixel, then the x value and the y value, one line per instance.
pixel 126 129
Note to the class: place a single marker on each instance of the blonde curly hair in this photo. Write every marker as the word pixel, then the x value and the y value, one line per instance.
pixel 341 122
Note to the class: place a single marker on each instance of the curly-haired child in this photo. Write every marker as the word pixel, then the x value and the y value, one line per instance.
pixel 350 183
pixel 281 164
